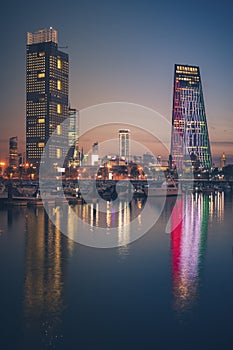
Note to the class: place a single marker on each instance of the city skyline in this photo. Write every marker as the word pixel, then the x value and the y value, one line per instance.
pixel 120 52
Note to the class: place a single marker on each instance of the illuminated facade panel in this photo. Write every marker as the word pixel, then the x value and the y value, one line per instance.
pixel 190 139
pixel 47 89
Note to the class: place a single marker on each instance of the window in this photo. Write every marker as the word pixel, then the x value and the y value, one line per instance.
pixel 59 130
pixel 59 65
pixel 41 120
pixel 41 144
pixel 59 108
pixel 58 153
pixel 41 75
pixel 59 84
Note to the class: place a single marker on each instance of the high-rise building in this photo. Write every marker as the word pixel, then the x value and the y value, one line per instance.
pixel 124 139
pixel 47 85
pixel 73 126
pixel 13 152
pixel 189 125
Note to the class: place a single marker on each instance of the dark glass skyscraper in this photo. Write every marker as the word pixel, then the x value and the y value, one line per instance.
pixel 47 85
pixel 73 129
pixel 190 139
pixel 13 152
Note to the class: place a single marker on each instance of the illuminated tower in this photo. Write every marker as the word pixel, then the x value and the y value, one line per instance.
pixel 47 84
pixel 189 126
pixel 223 160
pixel 124 135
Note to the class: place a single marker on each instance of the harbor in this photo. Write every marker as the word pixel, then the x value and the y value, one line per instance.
pixel 77 192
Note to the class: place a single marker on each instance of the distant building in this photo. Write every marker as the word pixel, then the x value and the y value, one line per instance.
pixel 73 127
pixel 223 160
pixel 124 143
pixel 95 148
pixel 13 152
pixel 159 160
pixel 95 154
pixel 148 159
pixel 189 124
pixel 47 85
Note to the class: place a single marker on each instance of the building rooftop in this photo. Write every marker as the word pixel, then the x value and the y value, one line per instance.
pixel 43 35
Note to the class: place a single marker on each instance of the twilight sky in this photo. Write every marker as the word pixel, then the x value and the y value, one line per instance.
pixel 124 51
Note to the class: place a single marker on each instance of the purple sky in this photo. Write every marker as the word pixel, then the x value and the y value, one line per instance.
pixel 124 51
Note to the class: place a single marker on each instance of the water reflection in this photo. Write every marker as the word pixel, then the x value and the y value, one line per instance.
pixel 188 246
pixel 46 250
pixel 188 243
pixel 217 206
pixel 113 215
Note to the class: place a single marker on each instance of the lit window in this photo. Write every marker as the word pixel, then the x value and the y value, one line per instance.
pixel 58 153
pixel 59 84
pixel 59 63
pixel 59 108
pixel 41 120
pixel 41 144
pixel 41 54
pixel 59 129
pixel 41 75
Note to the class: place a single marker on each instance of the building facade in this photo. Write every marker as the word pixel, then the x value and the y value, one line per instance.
pixel 124 143
pixel 189 139
pixel 47 89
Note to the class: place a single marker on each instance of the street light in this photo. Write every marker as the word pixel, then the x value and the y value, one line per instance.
pixel 2 165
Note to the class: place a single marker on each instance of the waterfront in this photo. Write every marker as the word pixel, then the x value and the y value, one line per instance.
pixel 172 287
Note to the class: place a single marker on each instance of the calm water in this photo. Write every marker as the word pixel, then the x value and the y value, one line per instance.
pixel 172 288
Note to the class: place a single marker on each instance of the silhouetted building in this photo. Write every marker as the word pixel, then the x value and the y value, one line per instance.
pixel 189 125
pixel 73 126
pixel 13 152
pixel 94 156
pixel 47 85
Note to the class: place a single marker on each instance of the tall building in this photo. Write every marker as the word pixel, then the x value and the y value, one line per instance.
pixel 124 140
pixel 73 127
pixel 47 85
pixel 13 152
pixel 189 137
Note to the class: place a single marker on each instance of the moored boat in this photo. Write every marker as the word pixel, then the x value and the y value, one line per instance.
pixel 168 188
